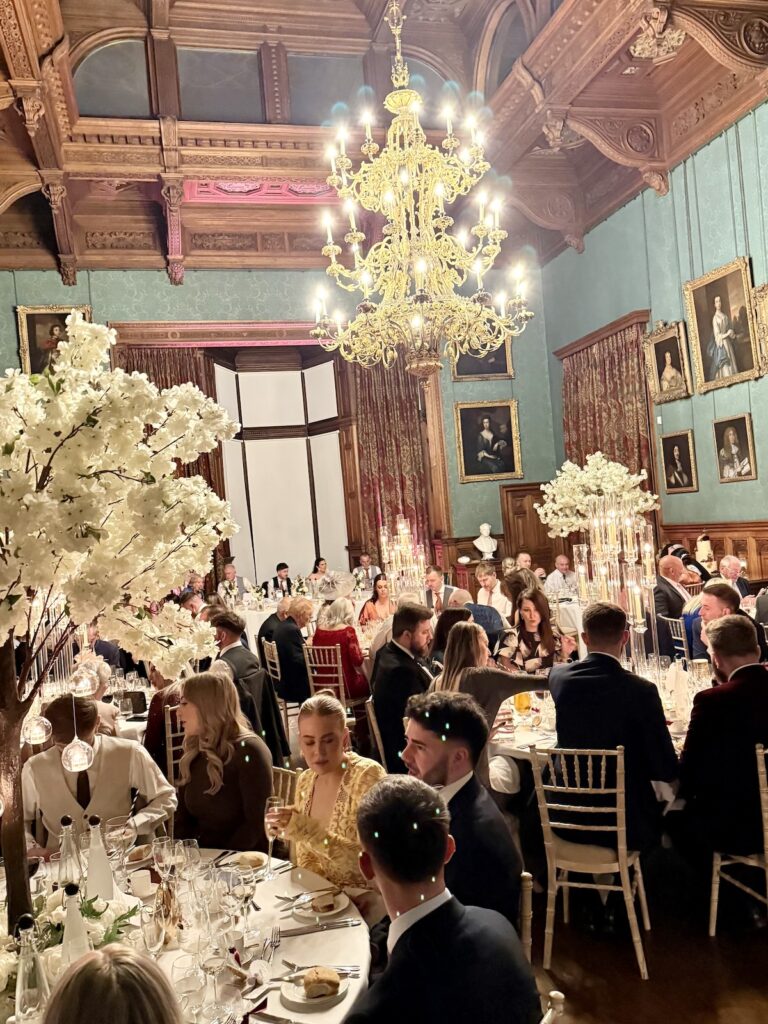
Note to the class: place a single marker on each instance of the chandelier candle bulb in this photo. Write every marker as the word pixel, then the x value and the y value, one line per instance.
pixel 448 115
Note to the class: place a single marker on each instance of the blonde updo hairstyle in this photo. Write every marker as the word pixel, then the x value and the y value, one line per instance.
pixel 222 724
pixel 325 704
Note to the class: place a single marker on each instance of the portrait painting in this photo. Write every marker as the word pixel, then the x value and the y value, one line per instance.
pixel 666 359
pixel 678 462
pixel 721 324
pixel 41 328
pixel 492 366
pixel 487 441
pixel 735 449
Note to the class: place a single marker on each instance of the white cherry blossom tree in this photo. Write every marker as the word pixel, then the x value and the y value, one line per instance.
pixel 95 523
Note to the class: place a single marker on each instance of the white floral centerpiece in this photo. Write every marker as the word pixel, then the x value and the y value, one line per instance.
pixel 97 524
pixel 567 498
pixel 300 587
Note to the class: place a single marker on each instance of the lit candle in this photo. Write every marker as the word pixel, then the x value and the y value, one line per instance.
pixel 583 583
pixel 440 193
pixel 331 154
pixel 349 207
pixel 603 582
pixel 472 125
pixel 479 272
pixel 367 122
pixel 501 299
pixel 637 608
pixel 328 222
pixel 448 115
pixel 341 138
pixel 496 209
pixel 482 200
pixel 420 269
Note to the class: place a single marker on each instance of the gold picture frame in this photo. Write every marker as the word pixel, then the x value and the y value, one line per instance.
pixel 760 299
pixel 737 465
pixel 679 473
pixel 666 362
pixel 726 292
pixel 38 330
pixel 493 452
pixel 497 365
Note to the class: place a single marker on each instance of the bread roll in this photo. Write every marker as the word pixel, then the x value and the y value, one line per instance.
pixel 323 903
pixel 320 982
pixel 251 859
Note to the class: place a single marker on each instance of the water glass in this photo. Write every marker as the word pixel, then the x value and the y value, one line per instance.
pixel 120 835
pixel 213 961
pixel 166 856
pixel 153 928
pixel 190 859
pixel 188 983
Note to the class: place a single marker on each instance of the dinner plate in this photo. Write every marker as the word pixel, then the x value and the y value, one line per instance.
pixel 142 862
pixel 306 913
pixel 292 996
pixel 233 861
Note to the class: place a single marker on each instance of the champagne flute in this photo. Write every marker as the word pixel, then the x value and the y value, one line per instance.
pixel 153 929
pixel 213 962
pixel 165 854
pixel 189 864
pixel 120 835
pixel 274 803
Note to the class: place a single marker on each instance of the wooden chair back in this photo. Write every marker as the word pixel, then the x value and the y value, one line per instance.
pixel 679 636
pixel 325 670
pixel 762 779
pixel 375 732
pixel 555 1008
pixel 284 783
pixel 526 912
pixel 272 660
pixel 694 588
pixel 174 743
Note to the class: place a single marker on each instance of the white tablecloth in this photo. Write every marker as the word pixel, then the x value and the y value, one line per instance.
pixel 342 946
pixel 131 730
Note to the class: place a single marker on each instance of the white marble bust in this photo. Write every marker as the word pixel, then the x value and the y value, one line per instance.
pixel 485 543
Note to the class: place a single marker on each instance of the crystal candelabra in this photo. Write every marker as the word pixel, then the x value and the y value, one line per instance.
pixel 403 561
pixel 619 565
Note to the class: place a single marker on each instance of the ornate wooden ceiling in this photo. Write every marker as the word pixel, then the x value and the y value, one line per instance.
pixel 606 98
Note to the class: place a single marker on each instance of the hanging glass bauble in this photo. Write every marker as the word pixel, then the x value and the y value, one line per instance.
pixel 77 756
pixel 84 681
pixel 36 730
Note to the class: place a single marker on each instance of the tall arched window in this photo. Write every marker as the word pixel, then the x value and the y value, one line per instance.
pixel 509 43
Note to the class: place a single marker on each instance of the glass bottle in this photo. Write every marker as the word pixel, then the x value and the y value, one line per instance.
pixel 100 880
pixel 32 992
pixel 70 865
pixel 75 942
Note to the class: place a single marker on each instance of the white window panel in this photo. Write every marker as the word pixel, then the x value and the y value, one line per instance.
pixel 272 399
pixel 329 498
pixel 320 385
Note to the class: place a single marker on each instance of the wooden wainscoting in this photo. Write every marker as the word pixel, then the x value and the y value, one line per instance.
pixel 523 530
pixel 747 540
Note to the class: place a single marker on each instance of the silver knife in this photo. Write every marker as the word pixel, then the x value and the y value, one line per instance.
pixel 350 922
pixel 272 1019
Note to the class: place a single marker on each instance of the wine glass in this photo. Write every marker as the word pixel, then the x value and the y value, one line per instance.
pixel 274 803
pixel 165 854
pixel 153 928
pixel 188 983
pixel 213 961
pixel 190 860
pixel 194 924
pixel 120 835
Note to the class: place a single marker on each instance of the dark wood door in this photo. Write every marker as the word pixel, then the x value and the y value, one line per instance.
pixel 523 530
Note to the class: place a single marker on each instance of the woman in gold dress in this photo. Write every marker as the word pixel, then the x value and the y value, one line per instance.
pixel 323 822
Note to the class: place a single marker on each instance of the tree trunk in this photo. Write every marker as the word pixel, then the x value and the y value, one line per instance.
pixel 12 714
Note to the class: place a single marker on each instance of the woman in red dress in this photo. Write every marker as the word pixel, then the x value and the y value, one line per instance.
pixel 338 628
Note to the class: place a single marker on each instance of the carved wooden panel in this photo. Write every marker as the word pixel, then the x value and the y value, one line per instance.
pixel 523 530
pixel 747 540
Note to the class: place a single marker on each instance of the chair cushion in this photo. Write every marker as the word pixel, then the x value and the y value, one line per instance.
pixel 582 853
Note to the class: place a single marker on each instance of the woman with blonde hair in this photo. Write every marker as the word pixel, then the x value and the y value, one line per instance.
pixel 114 985
pixel 467 654
pixel 225 770
pixel 323 822
pixel 338 629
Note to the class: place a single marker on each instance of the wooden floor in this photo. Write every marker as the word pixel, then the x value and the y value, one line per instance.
pixel 693 979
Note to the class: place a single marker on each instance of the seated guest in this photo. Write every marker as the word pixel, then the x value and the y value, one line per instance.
pixel 281 585
pixel 192 601
pixel 490 620
pixel 669 594
pixel 445 736
pixel 319 570
pixel 761 607
pixel 718 774
pixel 691 610
pixel 515 582
pixel 120 769
pixel 717 599
pixel 378 607
pixel 384 633
pixel 397 675
pixel 196 583
pixel 114 984
pixel 562 579
pixel 225 771
pixel 233 587
pixel 270 624
pixel 524 561
pixel 466 652
pixel 370 570
pixel 323 820
pixel 489 592
pixel 459 598
pixel 103 648
pixel 294 682
pixel 601 706
pixel 448 618
pixel 339 629
pixel 534 644
pixel 447 962
pixel 166 694
pixel 730 571
pixel 692 566
pixel 438 592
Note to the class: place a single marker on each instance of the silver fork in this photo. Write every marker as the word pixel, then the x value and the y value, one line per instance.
pixel 274 942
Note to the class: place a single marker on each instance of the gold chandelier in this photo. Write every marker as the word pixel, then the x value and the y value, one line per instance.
pixel 410 279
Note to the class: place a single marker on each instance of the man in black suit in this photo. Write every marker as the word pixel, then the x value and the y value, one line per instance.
pixel 718 774
pixel 438 592
pixel 717 599
pixel 600 706
pixel 254 687
pixel 669 595
pixel 270 624
pixel 730 571
pixel 281 583
pixel 445 736
pixel 397 675
pixel 447 962
pixel 294 681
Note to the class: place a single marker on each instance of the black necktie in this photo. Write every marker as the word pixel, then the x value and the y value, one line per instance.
pixel 83 789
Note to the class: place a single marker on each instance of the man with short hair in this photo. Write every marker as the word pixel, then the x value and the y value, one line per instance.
pixel 120 769
pixel 447 962
pixel 281 584
pixel 561 580
pixel 669 594
pixel 601 706
pixel 384 633
pixel 489 591
pixel 370 570
pixel 438 592
pixel 717 599
pixel 525 561
pixel 730 570
pixel 398 674
pixel 270 624
pixel 233 588
pixel 718 773
pixel 446 734
pixel 192 601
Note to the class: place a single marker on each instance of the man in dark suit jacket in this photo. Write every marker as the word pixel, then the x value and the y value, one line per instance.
pixel 397 675
pixel 438 592
pixel 669 595
pixel 718 599
pixel 601 706
pixel 447 962
pixel 730 571
pixel 718 773
pixel 270 624
pixel 294 681
pixel 445 737
pixel 281 583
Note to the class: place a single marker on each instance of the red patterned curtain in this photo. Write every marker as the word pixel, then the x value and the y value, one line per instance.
pixel 391 457
pixel 604 400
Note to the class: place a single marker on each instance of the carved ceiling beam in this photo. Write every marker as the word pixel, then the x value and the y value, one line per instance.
pixel 275 84
pixel 546 191
pixel 55 192
pixel 735 34
pixel 631 138
pixel 163 64
pixel 173 196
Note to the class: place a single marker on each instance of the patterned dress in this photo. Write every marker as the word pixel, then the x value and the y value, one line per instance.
pixel 526 653
pixel 332 851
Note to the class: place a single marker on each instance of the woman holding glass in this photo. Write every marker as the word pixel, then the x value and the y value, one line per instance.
pixel 533 645
pixel 225 770
pixel 323 822
pixel 378 607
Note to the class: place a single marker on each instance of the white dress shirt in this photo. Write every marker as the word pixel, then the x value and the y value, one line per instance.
pixel 403 922
pixel 449 792
pixel 495 599
pixel 230 647
pixel 561 582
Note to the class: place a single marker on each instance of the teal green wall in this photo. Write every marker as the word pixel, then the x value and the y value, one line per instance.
pixel 639 258
pixel 476 503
